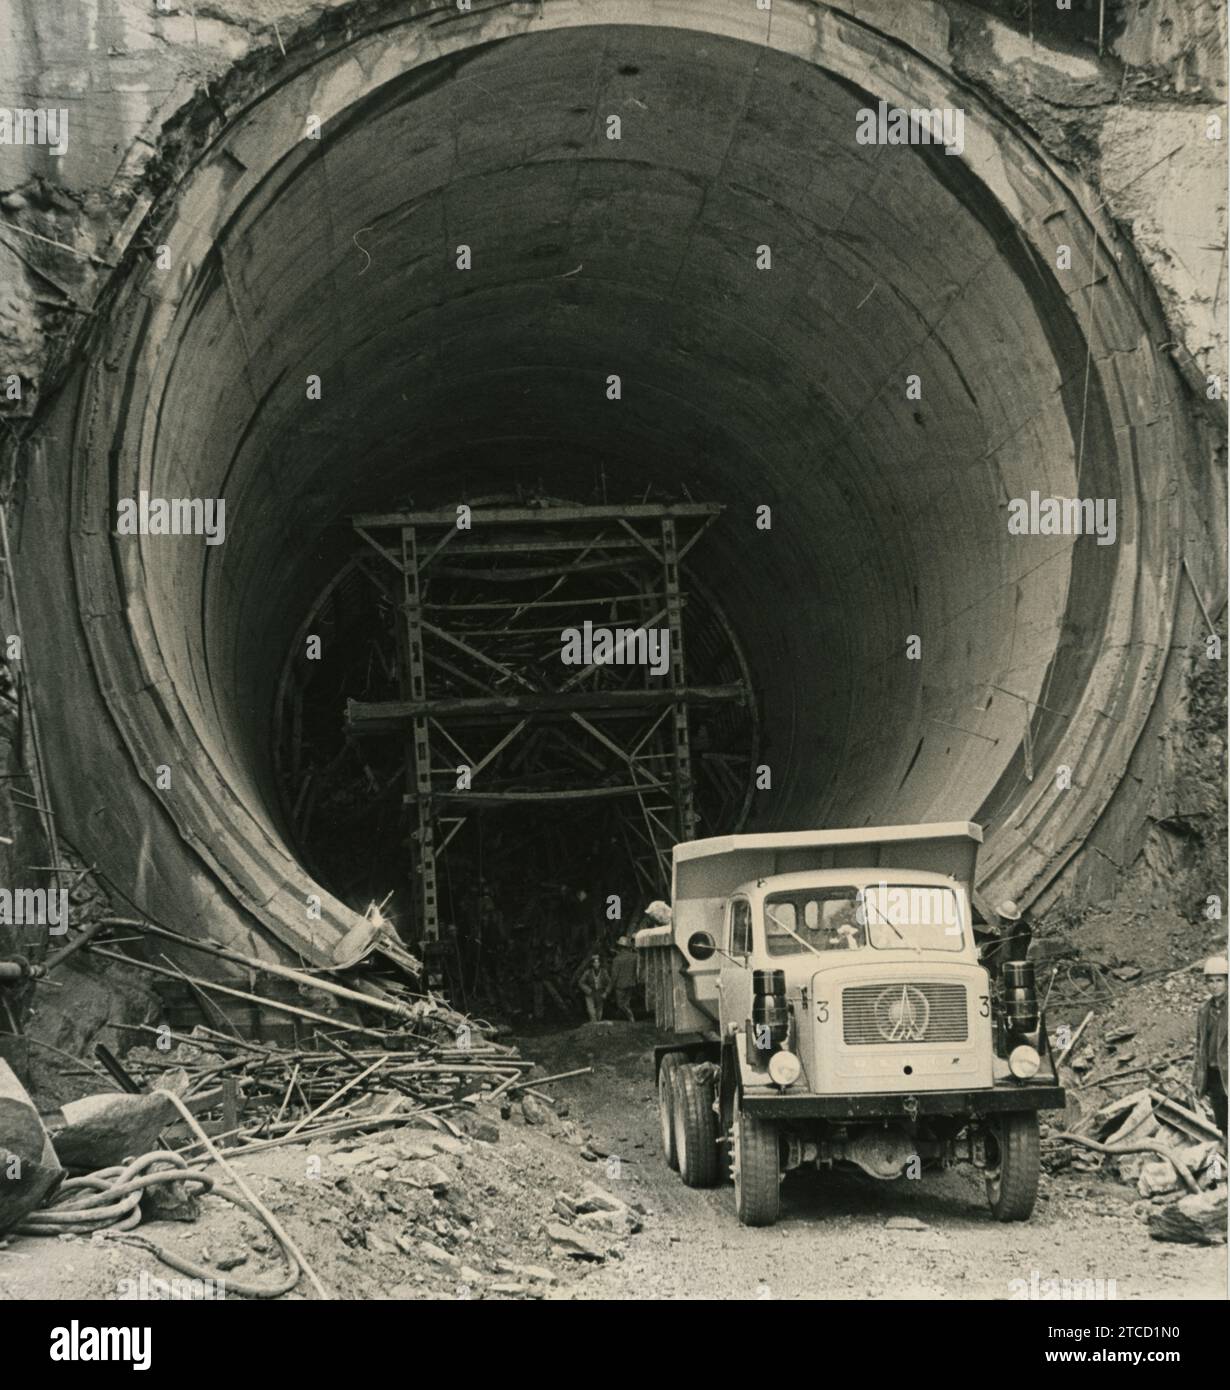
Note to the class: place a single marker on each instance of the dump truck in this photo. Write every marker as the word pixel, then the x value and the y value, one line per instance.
pixel 827 1005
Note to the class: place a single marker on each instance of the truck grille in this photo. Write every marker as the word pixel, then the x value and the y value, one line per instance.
pixel 904 1013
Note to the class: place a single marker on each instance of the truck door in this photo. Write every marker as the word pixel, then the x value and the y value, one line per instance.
pixel 735 981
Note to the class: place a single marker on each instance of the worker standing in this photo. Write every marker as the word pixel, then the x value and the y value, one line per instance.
pixel 1209 1071
pixel 594 982
pixel 623 977
pixel 1015 932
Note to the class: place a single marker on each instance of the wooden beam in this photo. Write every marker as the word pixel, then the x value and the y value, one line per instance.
pixel 521 798
pixel 382 715
pixel 537 544
pixel 642 511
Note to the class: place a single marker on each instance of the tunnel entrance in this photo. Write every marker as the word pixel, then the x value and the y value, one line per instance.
pixel 538 703
pixel 427 298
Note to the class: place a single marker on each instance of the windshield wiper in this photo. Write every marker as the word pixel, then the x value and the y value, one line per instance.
pixel 769 913
pixel 868 903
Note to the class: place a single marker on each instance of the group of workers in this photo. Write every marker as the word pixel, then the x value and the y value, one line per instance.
pixel 557 958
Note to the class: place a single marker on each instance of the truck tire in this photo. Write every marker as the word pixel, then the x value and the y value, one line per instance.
pixel 757 1168
pixel 696 1130
pixel 669 1064
pixel 1012 1187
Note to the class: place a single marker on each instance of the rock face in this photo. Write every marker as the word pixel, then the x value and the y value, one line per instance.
pixel 1198 1219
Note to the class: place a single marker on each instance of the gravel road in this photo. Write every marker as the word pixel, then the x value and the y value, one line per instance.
pixel 838 1237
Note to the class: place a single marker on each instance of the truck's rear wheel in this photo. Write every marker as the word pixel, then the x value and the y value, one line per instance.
pixel 666 1104
pixel 696 1129
pixel 757 1168
pixel 695 1126
pixel 1012 1181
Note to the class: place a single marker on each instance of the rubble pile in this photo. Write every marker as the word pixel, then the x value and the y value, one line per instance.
pixel 426 1212
pixel 391 1148
pixel 1133 1115
pixel 257 1095
pixel 1147 1139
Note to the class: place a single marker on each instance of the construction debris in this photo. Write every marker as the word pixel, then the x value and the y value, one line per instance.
pixel 1189 1149
pixel 211 1099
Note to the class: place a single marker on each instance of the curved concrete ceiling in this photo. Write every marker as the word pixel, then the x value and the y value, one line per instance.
pixel 786 388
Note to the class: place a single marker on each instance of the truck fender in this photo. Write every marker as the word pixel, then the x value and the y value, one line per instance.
pixel 743 1075
pixel 693 1047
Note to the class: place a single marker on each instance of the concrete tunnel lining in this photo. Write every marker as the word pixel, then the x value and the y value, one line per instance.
pixel 785 389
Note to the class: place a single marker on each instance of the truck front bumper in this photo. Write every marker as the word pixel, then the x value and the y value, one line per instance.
pixel 772 1104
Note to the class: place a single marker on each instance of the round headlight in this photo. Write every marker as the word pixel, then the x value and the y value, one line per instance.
pixel 1023 1061
pixel 784 1068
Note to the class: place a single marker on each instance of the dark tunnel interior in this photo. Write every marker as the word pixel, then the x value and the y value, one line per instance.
pixel 742 386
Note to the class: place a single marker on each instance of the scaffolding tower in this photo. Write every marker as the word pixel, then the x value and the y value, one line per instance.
pixel 491 714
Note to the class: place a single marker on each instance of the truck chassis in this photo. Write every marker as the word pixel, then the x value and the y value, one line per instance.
pixel 716 1130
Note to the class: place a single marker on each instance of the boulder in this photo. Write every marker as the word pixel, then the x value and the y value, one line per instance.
pixel 478 1127
pixel 424 1174
pixel 102 1130
pixel 1129 1166
pixel 535 1112
pixel 1157 1175
pixel 1197 1219
pixel 29 1169
pixel 593 1198
pixel 566 1240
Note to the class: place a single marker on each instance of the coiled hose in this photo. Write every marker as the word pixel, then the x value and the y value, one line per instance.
pixel 111 1198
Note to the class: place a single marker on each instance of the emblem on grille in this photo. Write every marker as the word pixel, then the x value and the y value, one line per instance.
pixel 902 1015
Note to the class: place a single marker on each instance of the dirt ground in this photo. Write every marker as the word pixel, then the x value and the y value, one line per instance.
pixel 837 1240
pixel 421 1213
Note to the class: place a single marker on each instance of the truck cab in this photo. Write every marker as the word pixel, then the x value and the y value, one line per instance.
pixel 830 1006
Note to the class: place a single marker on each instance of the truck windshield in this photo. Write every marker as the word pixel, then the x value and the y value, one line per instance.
pixel 914 915
pixel 824 919
pixel 887 916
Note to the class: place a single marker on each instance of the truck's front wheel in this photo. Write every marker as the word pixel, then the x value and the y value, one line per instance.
pixel 667 1068
pixel 757 1168
pixel 1013 1165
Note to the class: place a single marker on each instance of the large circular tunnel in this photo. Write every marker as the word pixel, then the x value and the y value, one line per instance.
pixel 914 351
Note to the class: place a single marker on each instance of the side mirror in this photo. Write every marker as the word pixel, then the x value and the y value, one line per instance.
pixel 700 945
